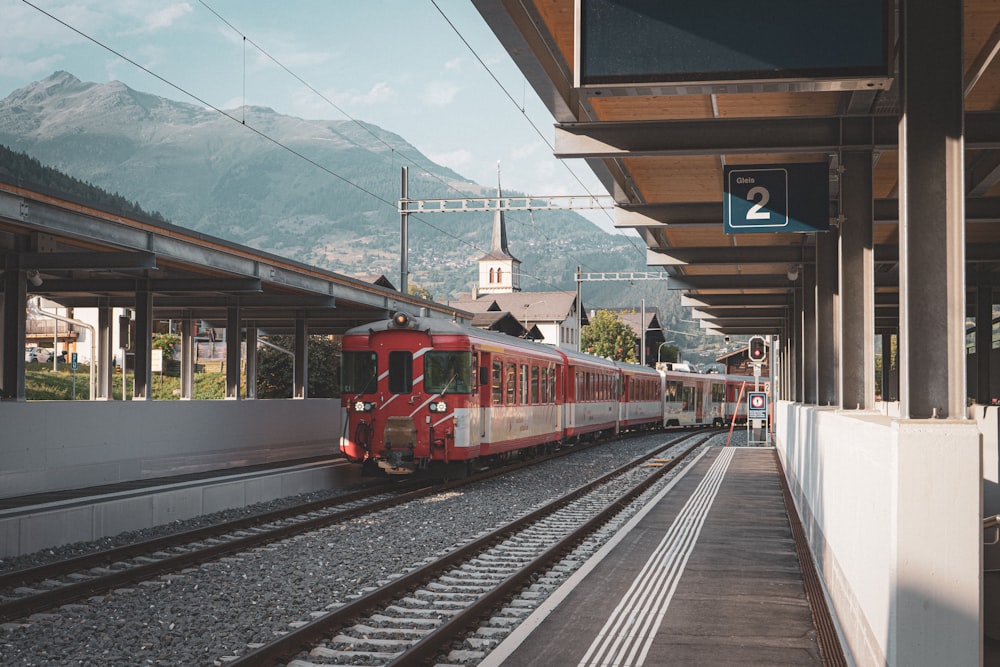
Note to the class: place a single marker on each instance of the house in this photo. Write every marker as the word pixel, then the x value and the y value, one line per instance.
pixel 548 317
pixel 648 329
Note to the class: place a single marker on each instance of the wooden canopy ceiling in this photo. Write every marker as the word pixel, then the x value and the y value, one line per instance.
pixel 662 158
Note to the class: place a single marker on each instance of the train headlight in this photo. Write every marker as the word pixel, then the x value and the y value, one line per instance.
pixel 438 406
pixel 363 406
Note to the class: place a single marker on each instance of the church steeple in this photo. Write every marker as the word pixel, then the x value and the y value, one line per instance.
pixel 499 271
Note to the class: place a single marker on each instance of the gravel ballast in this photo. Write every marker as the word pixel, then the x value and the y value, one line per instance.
pixel 202 615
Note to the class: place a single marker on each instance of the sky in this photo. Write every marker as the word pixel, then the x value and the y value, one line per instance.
pixel 404 65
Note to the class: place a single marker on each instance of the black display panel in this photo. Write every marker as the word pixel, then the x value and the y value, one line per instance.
pixel 622 42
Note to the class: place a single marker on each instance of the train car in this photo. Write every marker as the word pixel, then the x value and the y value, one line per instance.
pixel 641 404
pixel 419 391
pixel 692 399
pixel 592 396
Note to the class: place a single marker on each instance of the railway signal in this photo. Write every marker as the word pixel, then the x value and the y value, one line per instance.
pixel 758 350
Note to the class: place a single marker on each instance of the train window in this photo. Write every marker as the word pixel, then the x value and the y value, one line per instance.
pixel 511 383
pixel 523 392
pixel 448 372
pixel 673 389
pixel 400 372
pixel 359 371
pixel 690 396
pixel 497 383
pixel 718 392
pixel 534 385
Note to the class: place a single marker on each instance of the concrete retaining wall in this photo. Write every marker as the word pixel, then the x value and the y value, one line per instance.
pixel 892 509
pixel 57 445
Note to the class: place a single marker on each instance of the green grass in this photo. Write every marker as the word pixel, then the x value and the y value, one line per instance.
pixel 41 384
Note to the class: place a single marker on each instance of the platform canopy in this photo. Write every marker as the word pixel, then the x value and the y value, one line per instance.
pixel 665 136
pixel 79 256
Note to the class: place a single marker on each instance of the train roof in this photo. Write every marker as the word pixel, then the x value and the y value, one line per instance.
pixel 442 327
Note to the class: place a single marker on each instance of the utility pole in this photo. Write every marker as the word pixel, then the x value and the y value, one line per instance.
pixel 404 230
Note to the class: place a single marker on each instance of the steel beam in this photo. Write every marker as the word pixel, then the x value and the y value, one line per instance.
pixel 740 136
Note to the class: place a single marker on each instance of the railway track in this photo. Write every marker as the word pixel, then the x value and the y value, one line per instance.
pixel 415 618
pixel 45 587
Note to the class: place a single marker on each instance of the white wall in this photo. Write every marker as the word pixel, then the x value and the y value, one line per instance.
pixel 52 445
pixel 892 509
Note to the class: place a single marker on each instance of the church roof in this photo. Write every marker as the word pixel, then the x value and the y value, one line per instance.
pixel 498 246
pixel 531 307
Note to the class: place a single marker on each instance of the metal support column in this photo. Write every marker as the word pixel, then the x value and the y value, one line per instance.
pixel 984 341
pixel 187 356
pixel 931 211
pixel 810 351
pixel 251 359
pixel 798 380
pixel 300 388
pixel 857 283
pixel 15 304
pixel 827 308
pixel 142 387
pixel 105 353
pixel 234 340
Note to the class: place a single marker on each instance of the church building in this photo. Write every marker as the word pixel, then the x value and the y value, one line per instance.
pixel 549 317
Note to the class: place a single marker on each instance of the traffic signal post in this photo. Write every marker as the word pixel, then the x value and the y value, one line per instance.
pixel 757 431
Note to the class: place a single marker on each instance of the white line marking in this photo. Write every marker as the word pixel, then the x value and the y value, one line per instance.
pixel 498 655
pixel 628 634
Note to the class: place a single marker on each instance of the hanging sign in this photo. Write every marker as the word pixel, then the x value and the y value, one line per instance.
pixel 776 198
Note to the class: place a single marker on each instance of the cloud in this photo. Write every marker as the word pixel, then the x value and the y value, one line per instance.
pixel 455 64
pixel 379 93
pixel 307 104
pixel 455 160
pixel 529 150
pixel 440 93
pixel 166 16
pixel 38 67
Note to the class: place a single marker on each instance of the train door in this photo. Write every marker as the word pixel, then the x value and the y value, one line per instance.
pixel 555 395
pixel 485 399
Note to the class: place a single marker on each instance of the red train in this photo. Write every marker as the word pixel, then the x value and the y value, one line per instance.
pixel 418 392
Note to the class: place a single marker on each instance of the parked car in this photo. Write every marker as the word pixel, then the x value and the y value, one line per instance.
pixel 39 355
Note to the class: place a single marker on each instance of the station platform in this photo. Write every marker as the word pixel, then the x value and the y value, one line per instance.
pixel 41 521
pixel 706 574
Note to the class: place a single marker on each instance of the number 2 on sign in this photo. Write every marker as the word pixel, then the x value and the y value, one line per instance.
pixel 755 212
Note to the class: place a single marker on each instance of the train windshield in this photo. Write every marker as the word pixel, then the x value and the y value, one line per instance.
pixel 448 372
pixel 360 372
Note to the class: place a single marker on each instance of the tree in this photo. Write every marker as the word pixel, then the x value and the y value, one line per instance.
pixel 274 368
pixel 420 292
pixel 608 336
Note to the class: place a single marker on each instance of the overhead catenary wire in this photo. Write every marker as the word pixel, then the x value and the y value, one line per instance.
pixel 277 142
pixel 241 121
pixel 393 149
pixel 520 107
pixel 379 139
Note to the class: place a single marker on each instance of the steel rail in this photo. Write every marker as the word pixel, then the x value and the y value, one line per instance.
pixel 20 607
pixel 307 635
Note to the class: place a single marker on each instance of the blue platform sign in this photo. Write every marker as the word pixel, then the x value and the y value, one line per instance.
pixel 756 405
pixel 776 198
pixel 73 361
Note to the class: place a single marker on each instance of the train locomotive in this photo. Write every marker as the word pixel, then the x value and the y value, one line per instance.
pixel 419 393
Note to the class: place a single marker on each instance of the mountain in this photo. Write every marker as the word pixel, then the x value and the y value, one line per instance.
pixel 322 192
